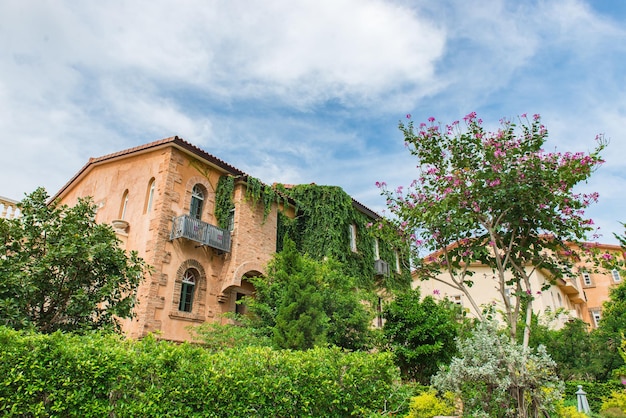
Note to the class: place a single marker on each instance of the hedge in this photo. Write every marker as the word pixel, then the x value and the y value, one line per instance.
pixel 99 375
pixel 596 391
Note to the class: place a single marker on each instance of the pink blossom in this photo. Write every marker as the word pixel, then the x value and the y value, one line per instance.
pixel 436 292
pixel 431 119
pixel 408 116
pixel 607 256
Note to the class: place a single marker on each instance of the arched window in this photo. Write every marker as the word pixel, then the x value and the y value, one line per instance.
pixel 149 196
pixel 197 201
pixel 124 204
pixel 187 290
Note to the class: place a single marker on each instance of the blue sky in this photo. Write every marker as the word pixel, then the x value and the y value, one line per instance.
pixel 304 91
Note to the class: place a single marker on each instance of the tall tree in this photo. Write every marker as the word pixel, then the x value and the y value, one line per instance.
pixel 302 303
pixel 60 270
pixel 492 197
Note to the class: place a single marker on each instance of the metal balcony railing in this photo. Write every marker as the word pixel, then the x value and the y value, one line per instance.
pixel 206 234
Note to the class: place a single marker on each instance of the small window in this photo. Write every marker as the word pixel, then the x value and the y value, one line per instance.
pixel 149 196
pixel 124 205
pixel 187 290
pixel 353 237
pixel 376 249
pixel 197 201
pixel 616 276
pixel 595 314
pixel 587 279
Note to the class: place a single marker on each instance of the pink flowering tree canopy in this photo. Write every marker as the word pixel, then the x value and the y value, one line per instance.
pixel 492 197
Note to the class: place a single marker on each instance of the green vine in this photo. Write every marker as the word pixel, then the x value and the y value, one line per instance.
pixel 224 200
pixel 257 191
pixel 322 229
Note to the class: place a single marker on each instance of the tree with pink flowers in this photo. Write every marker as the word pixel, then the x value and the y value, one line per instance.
pixel 497 198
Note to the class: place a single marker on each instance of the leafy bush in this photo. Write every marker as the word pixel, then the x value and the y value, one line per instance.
pixel 564 410
pixel 498 377
pixel 428 404
pixel 420 333
pixel 96 375
pixel 614 404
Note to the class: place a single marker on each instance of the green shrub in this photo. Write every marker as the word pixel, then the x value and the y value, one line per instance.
pixel 569 411
pixel 96 375
pixel 615 403
pixel 428 405
pixel 596 391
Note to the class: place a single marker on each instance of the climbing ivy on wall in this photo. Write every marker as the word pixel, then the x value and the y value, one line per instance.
pixel 322 229
pixel 224 200
pixel 256 192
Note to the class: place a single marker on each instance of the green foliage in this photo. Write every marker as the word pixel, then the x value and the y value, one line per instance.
pixel 428 405
pixel 614 403
pixel 60 270
pixel 573 347
pixel 224 200
pixel 611 328
pixel 257 191
pixel 420 334
pixel 569 411
pixel 499 378
pixel 215 336
pixel 302 303
pixel 322 229
pixel 596 391
pixel 64 375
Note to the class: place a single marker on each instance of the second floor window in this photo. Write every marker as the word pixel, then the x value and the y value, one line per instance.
pixel 587 279
pixel 353 237
pixel 124 205
pixel 149 196
pixel 197 201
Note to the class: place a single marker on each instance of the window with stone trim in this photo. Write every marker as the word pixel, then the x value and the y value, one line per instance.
pixel 187 290
pixel 189 293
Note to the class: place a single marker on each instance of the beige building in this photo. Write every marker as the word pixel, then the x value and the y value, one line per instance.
pixel 580 296
pixel 160 199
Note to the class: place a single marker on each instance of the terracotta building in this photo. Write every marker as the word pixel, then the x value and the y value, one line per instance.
pixel 161 200
pixel 597 283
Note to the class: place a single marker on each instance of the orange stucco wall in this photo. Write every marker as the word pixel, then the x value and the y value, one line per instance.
pixel 175 172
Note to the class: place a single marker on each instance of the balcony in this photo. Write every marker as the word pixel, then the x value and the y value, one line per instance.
pixel 201 232
pixel 569 286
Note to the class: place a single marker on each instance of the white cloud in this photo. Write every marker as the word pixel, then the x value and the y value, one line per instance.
pixel 298 91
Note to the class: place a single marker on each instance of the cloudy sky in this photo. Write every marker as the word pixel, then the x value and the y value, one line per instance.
pixel 299 91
